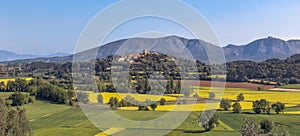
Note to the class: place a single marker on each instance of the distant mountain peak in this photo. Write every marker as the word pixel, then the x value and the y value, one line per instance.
pixel 10 56
pixel 258 50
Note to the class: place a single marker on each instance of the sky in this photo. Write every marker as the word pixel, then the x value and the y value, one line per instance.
pixel 51 26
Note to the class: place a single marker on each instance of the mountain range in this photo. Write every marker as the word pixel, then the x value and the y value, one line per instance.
pixel 258 50
pixel 11 56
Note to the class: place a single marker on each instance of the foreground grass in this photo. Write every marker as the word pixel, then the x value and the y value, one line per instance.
pixel 61 120
pixel 47 119
pixel 58 120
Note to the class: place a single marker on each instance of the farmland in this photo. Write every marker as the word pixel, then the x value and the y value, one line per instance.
pixel 5 80
pixel 138 97
pixel 72 121
pixel 291 99
pixel 50 119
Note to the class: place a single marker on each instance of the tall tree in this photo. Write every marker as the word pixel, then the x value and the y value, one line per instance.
pixel 240 97
pixel 208 120
pixel 237 108
pixel 267 126
pixel 212 95
pixel 278 107
pixel 13 122
pixel 225 104
pixel 250 128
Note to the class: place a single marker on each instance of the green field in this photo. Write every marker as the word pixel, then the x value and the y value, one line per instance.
pixel 47 119
pixel 291 86
pixel 55 120
pixel 71 121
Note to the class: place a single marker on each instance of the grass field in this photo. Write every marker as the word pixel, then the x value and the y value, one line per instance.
pixel 47 119
pixel 72 121
pixel 59 120
pixel 291 86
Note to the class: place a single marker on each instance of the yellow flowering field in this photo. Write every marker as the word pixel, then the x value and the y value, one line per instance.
pixel 13 79
pixel 289 98
pixel 110 132
pixel 119 96
pixel 293 112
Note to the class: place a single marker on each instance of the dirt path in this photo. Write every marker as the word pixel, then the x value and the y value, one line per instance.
pixel 283 89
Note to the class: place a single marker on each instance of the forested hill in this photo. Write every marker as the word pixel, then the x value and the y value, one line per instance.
pixel 282 71
pixel 276 70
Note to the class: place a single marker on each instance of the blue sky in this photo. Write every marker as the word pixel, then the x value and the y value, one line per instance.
pixel 50 26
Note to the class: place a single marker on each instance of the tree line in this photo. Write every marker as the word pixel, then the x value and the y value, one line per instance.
pixel 13 121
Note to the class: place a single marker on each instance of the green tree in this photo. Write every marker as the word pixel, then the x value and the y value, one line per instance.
pixel 71 94
pixel 2 86
pixel 208 120
pixel 250 128
pixel 52 93
pixel 267 126
pixel 82 97
pixel 263 104
pixel 260 88
pixel 18 99
pixel 113 102
pixel 237 108
pixel 13 122
pixel 100 99
pixel 278 107
pixel 101 87
pixel 3 117
pixel 162 101
pixel 153 106
pixel 196 95
pixel 240 97
pixel 31 99
pixel 143 108
pixel 211 95
pixel 225 104
pixel 178 88
pixel 172 83
pixel 256 106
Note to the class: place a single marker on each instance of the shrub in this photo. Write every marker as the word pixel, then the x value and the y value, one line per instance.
pixel 162 101
pixel 208 120
pixel 211 95
pixel 143 108
pixel 267 125
pixel 100 99
pixel 31 99
pixel 153 106
pixel 225 104
pixel 82 97
pixel 278 107
pixel 240 97
pixel 113 102
pixel 18 99
pixel 237 108
pixel 261 106
pixel 257 107
pixel 250 128
pixel 260 88
pixel 52 93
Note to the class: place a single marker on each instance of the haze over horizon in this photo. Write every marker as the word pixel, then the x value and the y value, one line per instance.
pixel 45 27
